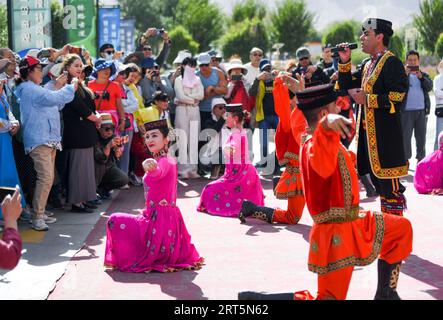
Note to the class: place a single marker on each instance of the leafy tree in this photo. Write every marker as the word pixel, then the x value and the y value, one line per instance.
pixel 243 36
pixel 429 22
pixel 3 26
pixel 397 47
pixel 339 33
pixel 204 20
pixel 182 39
pixel 248 9
pixel 146 13
pixel 291 24
pixel 57 15
pixel 439 46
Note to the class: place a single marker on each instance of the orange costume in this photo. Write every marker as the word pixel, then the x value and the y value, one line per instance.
pixel 287 140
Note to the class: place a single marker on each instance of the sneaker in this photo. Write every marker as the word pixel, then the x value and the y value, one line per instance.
pixel 39 225
pixel 135 180
pixel 83 209
pixel 125 187
pixel 25 216
pixel 49 213
pixel 47 219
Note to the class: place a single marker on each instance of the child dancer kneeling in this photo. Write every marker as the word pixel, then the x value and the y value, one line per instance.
pixel 157 239
pixel 224 197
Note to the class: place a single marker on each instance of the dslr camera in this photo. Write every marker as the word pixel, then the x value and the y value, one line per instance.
pixel 160 32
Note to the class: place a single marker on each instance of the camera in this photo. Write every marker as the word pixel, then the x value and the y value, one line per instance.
pixel 413 68
pixel 105 96
pixel 236 77
pixel 76 50
pixel 160 32
pixel 337 49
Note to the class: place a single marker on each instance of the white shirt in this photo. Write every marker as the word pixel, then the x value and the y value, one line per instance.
pixel 252 74
pixel 188 96
pixel 438 89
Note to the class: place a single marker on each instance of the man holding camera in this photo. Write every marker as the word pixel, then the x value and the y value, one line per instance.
pixel 415 111
pixel 313 75
pixel 380 88
pixel 144 50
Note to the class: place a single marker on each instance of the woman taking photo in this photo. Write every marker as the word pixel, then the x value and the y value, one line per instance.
pixel 79 138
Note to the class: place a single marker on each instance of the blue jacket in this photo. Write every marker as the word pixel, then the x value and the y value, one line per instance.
pixel 39 112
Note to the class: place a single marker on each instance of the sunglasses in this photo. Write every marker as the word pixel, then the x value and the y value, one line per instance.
pixel 305 58
pixel 108 129
pixel 147 49
pixel 221 107
pixel 204 65
pixel 257 55
pixel 110 52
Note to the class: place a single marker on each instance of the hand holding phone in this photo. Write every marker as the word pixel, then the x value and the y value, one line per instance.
pixel 6 191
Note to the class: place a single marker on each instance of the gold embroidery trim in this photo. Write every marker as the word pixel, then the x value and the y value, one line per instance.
pixel 368 85
pixel 346 180
pixel 347 67
pixel 352 260
pixel 290 194
pixel 397 96
pixel 292 169
pixel 337 215
pixel 372 101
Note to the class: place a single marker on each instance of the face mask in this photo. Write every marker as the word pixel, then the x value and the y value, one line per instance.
pixel 108 56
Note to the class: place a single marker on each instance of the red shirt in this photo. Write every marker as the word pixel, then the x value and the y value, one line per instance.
pixel 10 249
pixel 114 91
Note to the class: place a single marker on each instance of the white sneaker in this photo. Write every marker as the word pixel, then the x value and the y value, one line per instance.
pixel 39 225
pixel 49 213
pixel 46 219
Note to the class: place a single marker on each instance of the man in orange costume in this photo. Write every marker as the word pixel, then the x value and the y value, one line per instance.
pixel 287 141
pixel 342 236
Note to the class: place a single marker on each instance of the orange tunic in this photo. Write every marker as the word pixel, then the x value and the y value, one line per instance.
pixel 342 236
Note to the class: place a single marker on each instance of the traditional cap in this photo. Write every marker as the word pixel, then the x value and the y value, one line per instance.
pixel 161 96
pixel 148 63
pixel 380 25
pixel 238 107
pixel 28 62
pixel 316 97
pixel 106 119
pixel 203 58
pixel 4 64
pixel 303 52
pixel 264 63
pixel 182 54
pixel 106 46
pixel 158 124
pixel 102 64
pixel 56 70
pixel 236 64
pixel 217 101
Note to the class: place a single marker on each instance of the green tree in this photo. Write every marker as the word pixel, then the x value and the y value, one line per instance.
pixel 429 23
pixel 248 9
pixel 3 26
pixel 204 20
pixel 243 36
pixel 397 47
pixel 146 13
pixel 57 15
pixel 439 46
pixel 182 39
pixel 339 33
pixel 291 24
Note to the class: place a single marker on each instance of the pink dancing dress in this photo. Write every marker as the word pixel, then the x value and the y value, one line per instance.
pixel 429 173
pixel 224 196
pixel 157 239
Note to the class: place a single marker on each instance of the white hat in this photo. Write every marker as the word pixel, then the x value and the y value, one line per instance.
pixel 217 101
pixel 203 58
pixel 56 70
pixel 236 64
pixel 182 55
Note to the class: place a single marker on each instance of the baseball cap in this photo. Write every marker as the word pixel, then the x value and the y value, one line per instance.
pixel 203 58
pixel 29 61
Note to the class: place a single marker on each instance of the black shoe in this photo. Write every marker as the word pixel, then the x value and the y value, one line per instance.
pixel 261 165
pixel 78 209
pixel 89 205
pixel 249 209
pixel 387 281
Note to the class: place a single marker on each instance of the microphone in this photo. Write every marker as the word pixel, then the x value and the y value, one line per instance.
pixel 351 46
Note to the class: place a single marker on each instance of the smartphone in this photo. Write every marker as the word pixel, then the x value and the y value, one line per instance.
pixel 5 191
pixel 45 53
pixel 236 77
pixel 413 68
pixel 76 50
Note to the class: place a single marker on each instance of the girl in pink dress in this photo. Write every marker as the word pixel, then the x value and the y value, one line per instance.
pixel 157 239
pixel 240 182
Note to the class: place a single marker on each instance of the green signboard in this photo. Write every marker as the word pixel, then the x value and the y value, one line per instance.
pixel 30 24
pixel 80 24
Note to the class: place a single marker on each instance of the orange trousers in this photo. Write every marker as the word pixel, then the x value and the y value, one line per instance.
pixel 396 247
pixel 294 212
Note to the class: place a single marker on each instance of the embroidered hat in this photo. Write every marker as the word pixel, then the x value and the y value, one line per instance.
pixel 381 25
pixel 237 107
pixel 316 97
pixel 102 64
pixel 157 124
pixel 106 119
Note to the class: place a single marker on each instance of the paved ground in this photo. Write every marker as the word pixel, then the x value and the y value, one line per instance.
pixel 239 257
